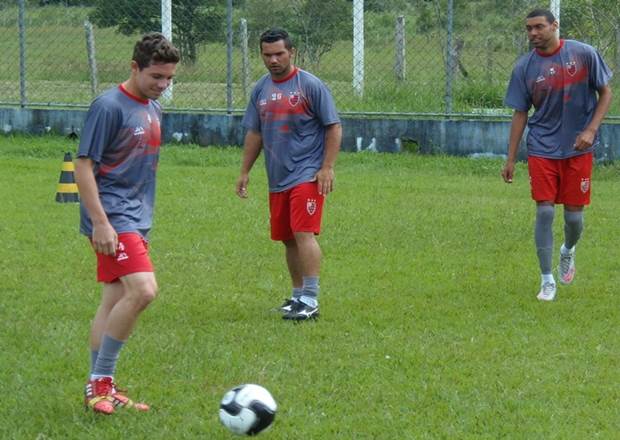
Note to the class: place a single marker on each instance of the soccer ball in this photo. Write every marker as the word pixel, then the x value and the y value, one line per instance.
pixel 247 409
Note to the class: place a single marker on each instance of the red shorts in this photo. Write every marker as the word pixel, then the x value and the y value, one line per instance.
pixel 298 209
pixel 132 256
pixel 563 181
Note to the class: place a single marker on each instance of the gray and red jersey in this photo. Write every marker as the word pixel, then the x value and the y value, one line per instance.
pixel 291 115
pixel 122 137
pixel 562 87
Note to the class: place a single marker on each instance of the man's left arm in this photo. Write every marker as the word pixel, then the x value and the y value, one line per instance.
pixel 325 176
pixel 585 139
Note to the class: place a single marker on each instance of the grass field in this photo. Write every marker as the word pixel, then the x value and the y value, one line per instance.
pixel 430 328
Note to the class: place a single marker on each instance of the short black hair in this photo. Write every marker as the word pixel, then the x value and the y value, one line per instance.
pixel 154 48
pixel 542 13
pixel 276 34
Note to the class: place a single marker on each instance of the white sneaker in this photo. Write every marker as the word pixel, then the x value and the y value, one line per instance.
pixel 566 269
pixel 547 292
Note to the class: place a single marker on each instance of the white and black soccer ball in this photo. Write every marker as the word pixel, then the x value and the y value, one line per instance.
pixel 247 409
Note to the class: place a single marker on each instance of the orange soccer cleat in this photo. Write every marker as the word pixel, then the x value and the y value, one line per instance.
pixel 97 395
pixel 120 400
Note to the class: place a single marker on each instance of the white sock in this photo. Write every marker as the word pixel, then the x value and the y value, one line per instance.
pixel 297 291
pixel 309 301
pixel 564 250
pixel 99 376
pixel 547 278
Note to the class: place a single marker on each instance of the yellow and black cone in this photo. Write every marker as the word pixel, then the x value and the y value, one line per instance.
pixel 67 191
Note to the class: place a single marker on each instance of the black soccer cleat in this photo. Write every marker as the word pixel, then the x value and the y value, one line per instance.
pixel 301 312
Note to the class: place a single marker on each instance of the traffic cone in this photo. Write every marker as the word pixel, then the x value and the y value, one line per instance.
pixel 67 191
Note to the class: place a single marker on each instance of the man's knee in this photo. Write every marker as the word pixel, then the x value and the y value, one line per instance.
pixel 573 208
pixel 291 244
pixel 143 291
pixel 149 291
pixel 573 218
pixel 304 237
pixel 545 213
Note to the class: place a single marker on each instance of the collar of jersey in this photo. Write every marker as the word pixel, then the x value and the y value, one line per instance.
pixel 287 77
pixel 552 53
pixel 134 97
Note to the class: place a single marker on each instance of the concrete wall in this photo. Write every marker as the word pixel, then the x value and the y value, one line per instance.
pixel 448 136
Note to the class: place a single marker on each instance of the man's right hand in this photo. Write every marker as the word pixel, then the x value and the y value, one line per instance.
pixel 242 185
pixel 105 239
pixel 508 171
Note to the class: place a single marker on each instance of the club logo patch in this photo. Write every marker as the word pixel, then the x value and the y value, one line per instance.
pixel 571 68
pixel 293 98
pixel 311 206
pixel 120 252
pixel 585 185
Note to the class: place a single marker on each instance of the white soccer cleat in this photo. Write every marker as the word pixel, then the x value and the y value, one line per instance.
pixel 287 305
pixel 566 269
pixel 547 292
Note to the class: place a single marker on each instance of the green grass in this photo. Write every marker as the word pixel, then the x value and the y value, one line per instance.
pixel 430 327
pixel 58 71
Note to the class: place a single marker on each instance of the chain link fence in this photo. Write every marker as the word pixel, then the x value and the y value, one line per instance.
pixel 383 57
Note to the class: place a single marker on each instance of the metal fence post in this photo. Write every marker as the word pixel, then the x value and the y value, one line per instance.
pixel 22 53
pixel 166 30
pixel 488 43
pixel 358 47
pixel 400 64
pixel 245 61
pixel 229 57
pixel 92 59
pixel 555 7
pixel 449 58
pixel 617 58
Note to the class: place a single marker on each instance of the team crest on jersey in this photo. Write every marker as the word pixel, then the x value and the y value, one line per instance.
pixel 552 71
pixel 311 206
pixel 294 98
pixel 571 68
pixel 585 185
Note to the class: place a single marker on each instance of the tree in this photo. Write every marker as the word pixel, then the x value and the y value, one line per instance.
pixel 314 25
pixel 65 2
pixel 193 22
pixel 320 23
pixel 596 22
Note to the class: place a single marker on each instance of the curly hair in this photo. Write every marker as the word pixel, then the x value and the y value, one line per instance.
pixel 154 48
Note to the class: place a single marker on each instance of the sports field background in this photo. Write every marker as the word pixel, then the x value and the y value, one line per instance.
pixel 486 39
pixel 430 327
